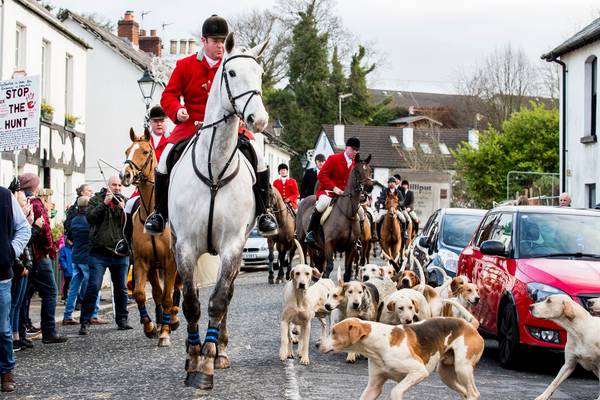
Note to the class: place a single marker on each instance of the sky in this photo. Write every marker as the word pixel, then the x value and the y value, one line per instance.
pixel 423 45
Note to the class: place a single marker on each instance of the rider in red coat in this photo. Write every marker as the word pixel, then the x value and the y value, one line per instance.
pixel 332 178
pixel 287 187
pixel 191 80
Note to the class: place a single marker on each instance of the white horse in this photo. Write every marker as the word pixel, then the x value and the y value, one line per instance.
pixel 235 93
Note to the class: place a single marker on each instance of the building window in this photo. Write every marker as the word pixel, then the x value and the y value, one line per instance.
pixel 444 149
pixel 20 41
pixel 69 84
pixel 425 148
pixel 394 139
pixel 590 190
pixel 591 83
pixel 45 76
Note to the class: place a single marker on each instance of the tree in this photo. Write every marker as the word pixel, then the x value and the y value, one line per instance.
pixel 528 141
pixel 503 84
pixel 337 79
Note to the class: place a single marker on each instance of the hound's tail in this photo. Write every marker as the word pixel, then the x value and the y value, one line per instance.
pixel 441 271
pixel 465 313
pixel 422 282
pixel 302 258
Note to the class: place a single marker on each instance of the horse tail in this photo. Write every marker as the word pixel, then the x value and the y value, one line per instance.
pixel 299 246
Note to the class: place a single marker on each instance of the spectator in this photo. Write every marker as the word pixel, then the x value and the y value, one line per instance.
pixel 309 180
pixel 65 261
pixel 21 268
pixel 42 275
pixel 80 230
pixel 564 200
pixel 106 216
pixel 83 190
pixel 14 235
pixel 287 186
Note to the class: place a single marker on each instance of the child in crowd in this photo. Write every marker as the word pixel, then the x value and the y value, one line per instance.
pixel 65 260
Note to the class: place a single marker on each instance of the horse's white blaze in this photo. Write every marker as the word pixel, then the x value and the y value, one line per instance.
pixel 134 148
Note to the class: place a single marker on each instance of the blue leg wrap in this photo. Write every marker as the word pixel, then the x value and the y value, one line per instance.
pixel 212 334
pixel 193 338
pixel 143 312
pixel 166 318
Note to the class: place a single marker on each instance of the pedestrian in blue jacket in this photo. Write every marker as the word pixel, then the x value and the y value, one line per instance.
pixel 65 260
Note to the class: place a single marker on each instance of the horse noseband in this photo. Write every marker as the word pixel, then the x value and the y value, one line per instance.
pixel 232 98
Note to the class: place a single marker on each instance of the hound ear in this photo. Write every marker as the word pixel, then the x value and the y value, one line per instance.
pixel 568 310
pixel 132 135
pixel 147 134
pixel 316 273
pixel 229 43
pixel 368 159
pixel 416 305
pixel 391 305
pixel 358 331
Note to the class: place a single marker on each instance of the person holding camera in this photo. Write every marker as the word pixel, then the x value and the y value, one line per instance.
pixel 106 215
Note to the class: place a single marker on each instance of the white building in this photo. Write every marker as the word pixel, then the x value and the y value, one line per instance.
pixel 34 42
pixel 421 156
pixel 114 101
pixel 579 124
pixel 274 151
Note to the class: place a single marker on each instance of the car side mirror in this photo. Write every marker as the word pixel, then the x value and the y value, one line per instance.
pixel 493 248
pixel 424 242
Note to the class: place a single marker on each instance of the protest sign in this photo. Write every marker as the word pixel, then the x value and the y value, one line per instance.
pixel 20 113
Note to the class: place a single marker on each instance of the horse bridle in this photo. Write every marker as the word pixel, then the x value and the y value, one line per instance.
pixel 232 98
pixel 140 176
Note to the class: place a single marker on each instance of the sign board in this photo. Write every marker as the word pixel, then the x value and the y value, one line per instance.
pixel 20 105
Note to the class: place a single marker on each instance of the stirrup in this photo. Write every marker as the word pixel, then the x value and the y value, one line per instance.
pixel 150 227
pixel 271 230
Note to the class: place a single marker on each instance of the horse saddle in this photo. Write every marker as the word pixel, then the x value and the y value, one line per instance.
pixel 244 146
pixel 327 212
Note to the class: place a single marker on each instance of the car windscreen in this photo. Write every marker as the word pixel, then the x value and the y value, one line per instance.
pixel 558 235
pixel 458 229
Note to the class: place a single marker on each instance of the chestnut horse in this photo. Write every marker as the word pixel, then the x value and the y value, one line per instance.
pixel 151 254
pixel 284 240
pixel 391 230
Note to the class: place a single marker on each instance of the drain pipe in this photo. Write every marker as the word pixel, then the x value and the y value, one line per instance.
pixel 563 180
pixel 2 6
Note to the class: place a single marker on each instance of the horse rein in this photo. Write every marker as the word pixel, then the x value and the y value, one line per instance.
pixel 140 176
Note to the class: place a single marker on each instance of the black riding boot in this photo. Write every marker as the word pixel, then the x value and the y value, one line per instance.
pixel 155 224
pixel 267 225
pixel 313 226
pixel 404 230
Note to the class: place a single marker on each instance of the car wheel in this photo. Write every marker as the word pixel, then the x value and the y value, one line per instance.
pixel 508 338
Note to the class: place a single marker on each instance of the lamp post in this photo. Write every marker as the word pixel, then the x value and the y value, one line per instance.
pixel 147 85
pixel 304 161
pixel 340 98
pixel 277 128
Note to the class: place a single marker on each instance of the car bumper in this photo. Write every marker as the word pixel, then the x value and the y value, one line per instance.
pixel 528 323
pixel 253 258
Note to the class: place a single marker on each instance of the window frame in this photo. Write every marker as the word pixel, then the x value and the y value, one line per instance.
pixel 20 47
pixel 491 217
pixel 509 249
pixel 46 70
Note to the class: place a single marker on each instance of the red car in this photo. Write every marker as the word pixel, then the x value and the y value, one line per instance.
pixel 519 256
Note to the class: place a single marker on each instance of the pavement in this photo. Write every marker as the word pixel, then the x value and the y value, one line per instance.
pixel 113 364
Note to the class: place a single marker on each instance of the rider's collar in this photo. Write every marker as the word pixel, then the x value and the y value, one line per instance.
pixel 211 62
pixel 348 159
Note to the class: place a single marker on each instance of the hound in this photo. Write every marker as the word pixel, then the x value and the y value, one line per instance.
pixel 405 306
pixel 466 294
pixel 410 280
pixel 594 306
pixel 583 342
pixel 408 354
pixel 369 271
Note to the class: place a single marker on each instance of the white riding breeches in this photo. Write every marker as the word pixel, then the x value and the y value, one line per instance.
pixel 129 204
pixel 323 202
pixel 411 215
pixel 162 164
pixel 382 213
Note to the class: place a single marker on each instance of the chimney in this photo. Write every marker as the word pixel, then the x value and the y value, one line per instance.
pixel 129 29
pixel 183 48
pixel 142 32
pixel 192 45
pixel 338 136
pixel 407 137
pixel 474 138
pixel 173 49
pixel 151 44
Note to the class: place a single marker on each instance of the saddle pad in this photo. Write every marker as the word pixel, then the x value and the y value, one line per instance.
pixel 326 214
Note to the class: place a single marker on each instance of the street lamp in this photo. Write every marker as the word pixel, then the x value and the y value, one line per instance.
pixel 277 127
pixel 304 161
pixel 147 85
pixel 340 98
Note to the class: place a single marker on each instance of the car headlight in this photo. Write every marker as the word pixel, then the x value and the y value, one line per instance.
pixel 449 260
pixel 539 291
pixel 264 248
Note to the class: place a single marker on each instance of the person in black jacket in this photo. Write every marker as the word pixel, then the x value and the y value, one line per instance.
pixel 381 210
pixel 309 180
pixel 409 202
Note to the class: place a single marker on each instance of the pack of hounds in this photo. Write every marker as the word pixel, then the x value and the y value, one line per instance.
pixel 407 329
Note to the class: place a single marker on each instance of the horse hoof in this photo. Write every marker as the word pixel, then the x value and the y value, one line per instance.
pixel 222 362
pixel 174 326
pixel 164 342
pixel 153 334
pixel 271 281
pixel 189 377
pixel 202 381
pixel 279 280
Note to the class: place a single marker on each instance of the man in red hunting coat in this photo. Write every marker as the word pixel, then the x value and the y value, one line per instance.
pixel 191 80
pixel 332 178
pixel 287 187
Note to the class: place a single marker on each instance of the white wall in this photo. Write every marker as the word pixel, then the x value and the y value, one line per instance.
pixel 323 147
pixel 114 104
pixel 581 159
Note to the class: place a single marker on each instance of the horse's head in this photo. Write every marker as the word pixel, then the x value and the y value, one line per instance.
pixel 242 78
pixel 139 159
pixel 361 175
pixel 391 202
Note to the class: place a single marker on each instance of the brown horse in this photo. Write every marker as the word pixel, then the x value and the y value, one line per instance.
pixel 365 237
pixel 342 229
pixel 286 247
pixel 391 231
pixel 151 254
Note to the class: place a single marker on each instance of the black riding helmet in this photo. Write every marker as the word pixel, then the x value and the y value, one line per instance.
pixel 215 27
pixel 282 166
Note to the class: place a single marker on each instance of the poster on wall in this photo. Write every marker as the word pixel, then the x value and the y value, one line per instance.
pixel 20 113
